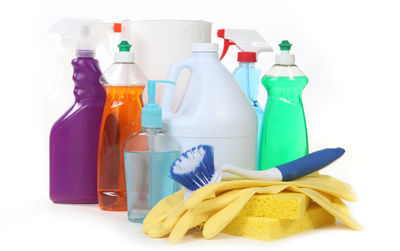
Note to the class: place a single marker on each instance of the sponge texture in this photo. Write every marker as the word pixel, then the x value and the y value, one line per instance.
pixel 268 229
pixel 285 205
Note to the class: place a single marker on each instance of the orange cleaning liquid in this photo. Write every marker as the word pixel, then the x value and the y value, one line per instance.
pixel 121 118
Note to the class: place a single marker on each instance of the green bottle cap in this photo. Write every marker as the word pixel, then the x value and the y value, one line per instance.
pixel 285 45
pixel 124 46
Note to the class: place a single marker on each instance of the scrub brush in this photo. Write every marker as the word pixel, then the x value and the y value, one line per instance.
pixel 195 168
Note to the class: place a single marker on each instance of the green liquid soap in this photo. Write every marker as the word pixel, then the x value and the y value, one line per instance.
pixel 284 131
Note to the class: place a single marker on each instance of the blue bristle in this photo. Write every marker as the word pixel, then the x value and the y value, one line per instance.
pixel 198 176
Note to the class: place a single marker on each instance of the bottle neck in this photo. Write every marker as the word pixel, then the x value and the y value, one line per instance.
pixel 246 64
pixel 85 54
pixel 86 77
pixel 281 70
pixel 249 79
pixel 285 58
pixel 151 130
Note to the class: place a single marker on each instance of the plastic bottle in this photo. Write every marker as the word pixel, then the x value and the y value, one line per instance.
pixel 74 136
pixel 251 43
pixel 284 132
pixel 124 83
pixel 161 42
pixel 61 94
pixel 248 77
pixel 214 110
pixel 149 154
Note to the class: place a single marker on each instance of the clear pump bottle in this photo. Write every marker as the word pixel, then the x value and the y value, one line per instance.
pixel 149 154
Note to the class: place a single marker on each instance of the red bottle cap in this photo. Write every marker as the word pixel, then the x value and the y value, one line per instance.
pixel 117 27
pixel 248 57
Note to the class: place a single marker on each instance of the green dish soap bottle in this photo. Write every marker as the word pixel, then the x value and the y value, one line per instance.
pixel 284 131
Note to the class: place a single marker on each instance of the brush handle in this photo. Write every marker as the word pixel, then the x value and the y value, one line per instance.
pixel 272 174
pixel 309 163
pixel 292 170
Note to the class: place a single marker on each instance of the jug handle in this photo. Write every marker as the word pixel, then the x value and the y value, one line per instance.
pixel 173 74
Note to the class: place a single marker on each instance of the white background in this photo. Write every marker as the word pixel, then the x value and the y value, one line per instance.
pixel 348 49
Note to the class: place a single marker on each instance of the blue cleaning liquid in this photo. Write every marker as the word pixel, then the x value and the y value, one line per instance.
pixel 148 181
pixel 248 78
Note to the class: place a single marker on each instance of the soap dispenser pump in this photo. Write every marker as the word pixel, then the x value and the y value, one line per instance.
pixel 148 155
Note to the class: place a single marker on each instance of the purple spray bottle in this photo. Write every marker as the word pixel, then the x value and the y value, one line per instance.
pixel 74 137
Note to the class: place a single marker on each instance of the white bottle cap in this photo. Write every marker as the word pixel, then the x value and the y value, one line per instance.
pixel 204 47
pixel 124 57
pixel 285 58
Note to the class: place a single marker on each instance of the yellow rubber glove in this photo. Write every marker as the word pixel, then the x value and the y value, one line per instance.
pixel 161 210
pixel 164 205
pixel 322 183
pixel 216 223
pixel 160 229
pixel 335 207
pixel 177 215
pixel 196 216
pixel 215 205
pixel 177 220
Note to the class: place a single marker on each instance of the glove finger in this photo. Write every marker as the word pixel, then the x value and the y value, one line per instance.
pixel 216 223
pixel 156 228
pixel 163 206
pixel 165 227
pixel 334 208
pixel 196 216
pixel 159 215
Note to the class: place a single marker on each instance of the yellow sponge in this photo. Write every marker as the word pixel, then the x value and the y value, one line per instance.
pixel 268 229
pixel 285 205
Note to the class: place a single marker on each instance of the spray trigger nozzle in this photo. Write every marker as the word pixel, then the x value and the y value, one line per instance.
pixel 84 34
pixel 245 40
pixel 227 43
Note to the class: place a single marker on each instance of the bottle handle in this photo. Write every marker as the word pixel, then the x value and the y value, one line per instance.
pixel 173 74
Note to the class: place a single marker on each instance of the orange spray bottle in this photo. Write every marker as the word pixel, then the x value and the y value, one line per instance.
pixel 124 83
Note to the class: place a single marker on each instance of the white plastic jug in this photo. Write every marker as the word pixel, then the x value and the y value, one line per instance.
pixel 157 44
pixel 214 110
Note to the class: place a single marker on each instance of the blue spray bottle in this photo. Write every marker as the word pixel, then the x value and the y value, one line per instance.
pixel 148 156
pixel 250 42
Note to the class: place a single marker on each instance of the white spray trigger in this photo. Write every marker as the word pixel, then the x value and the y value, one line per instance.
pixel 246 40
pixel 83 34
